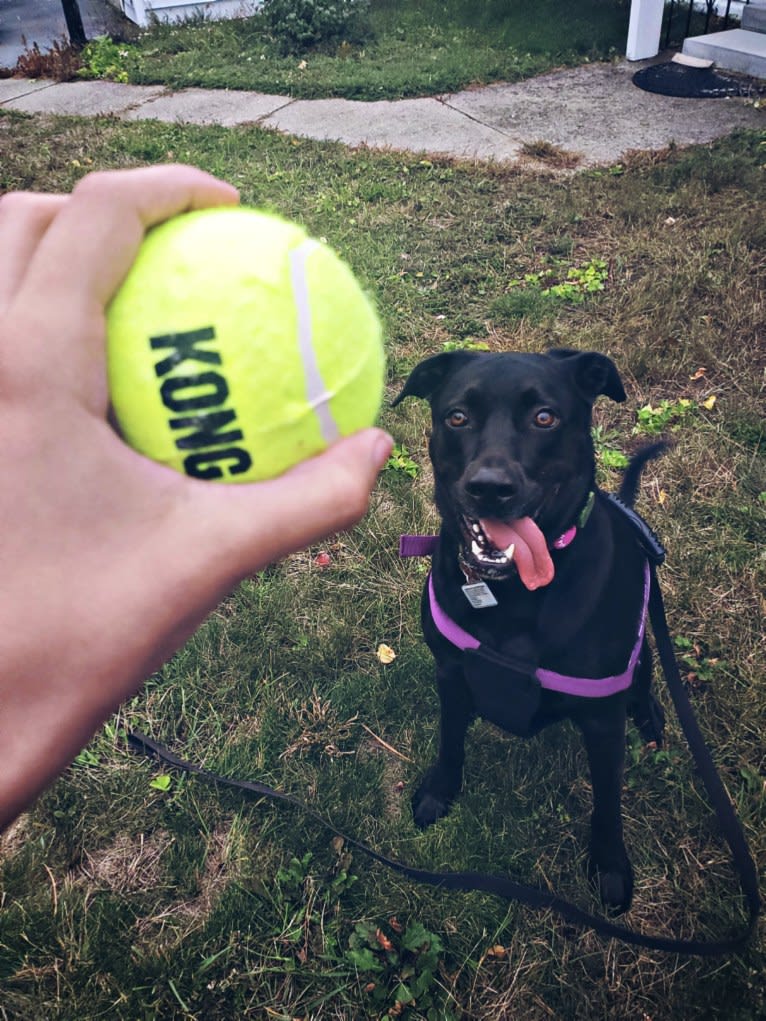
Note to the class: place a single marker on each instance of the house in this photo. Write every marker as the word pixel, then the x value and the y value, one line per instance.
pixel 142 11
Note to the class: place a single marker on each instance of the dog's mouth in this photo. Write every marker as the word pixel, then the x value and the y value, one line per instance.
pixel 493 549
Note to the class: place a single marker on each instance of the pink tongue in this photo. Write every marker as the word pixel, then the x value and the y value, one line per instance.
pixel 532 559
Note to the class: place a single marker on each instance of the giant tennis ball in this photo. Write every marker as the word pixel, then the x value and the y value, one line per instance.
pixel 237 346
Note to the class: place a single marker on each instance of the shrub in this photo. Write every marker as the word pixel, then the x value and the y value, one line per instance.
pixel 300 25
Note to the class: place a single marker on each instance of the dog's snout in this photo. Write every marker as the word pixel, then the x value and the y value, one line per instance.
pixel 490 484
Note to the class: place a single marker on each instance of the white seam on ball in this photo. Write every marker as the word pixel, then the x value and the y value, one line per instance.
pixel 317 395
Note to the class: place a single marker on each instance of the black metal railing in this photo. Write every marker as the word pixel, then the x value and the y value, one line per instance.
pixel 690 13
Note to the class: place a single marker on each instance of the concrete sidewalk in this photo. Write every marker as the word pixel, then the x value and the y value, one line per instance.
pixel 594 111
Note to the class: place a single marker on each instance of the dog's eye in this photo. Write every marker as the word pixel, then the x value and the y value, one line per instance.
pixel 457 419
pixel 545 418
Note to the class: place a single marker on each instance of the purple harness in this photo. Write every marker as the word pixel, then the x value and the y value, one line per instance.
pixel 585 687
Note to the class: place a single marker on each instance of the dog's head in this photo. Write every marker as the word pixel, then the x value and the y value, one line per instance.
pixel 512 450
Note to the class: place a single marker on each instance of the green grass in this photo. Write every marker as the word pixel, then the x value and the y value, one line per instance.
pixel 418 48
pixel 121 899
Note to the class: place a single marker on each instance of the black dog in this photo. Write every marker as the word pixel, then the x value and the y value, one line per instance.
pixel 514 467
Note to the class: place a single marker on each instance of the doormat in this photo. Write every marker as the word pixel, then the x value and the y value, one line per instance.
pixel 674 79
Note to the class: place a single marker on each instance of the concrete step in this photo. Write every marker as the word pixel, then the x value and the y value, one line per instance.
pixel 734 50
pixel 754 16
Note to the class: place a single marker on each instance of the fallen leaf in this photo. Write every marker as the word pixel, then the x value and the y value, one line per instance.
pixel 302 66
pixel 662 497
pixel 383 940
pixel 385 653
pixel 498 950
pixel 699 373
pixel 709 403
pixel 395 924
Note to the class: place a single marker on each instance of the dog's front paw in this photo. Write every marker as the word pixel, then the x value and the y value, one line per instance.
pixel 433 797
pixel 614 877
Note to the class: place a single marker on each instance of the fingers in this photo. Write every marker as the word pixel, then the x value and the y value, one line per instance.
pixel 96 235
pixel 24 219
pixel 79 261
pixel 256 525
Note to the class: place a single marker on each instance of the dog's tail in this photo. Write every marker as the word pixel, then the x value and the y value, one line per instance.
pixel 632 477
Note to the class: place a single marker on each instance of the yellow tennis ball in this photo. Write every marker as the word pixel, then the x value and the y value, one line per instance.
pixel 237 346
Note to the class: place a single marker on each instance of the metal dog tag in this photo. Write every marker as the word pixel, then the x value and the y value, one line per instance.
pixel 479 595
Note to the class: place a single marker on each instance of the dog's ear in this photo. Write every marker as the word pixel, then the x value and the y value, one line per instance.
pixel 426 378
pixel 594 373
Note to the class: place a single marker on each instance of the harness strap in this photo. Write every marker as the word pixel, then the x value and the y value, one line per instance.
pixel 584 687
pixel 417 545
pixel 534 897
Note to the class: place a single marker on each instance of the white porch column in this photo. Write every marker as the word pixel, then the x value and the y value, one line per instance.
pixel 644 29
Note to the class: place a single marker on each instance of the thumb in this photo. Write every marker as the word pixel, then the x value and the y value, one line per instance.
pixel 326 494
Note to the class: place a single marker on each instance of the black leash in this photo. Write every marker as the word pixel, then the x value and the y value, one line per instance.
pixel 508 889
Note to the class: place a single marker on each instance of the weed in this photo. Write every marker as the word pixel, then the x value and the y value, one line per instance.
pixel 61 62
pixel 465 345
pixel 700 668
pixel 609 456
pixel 539 294
pixel 398 967
pixel 552 155
pixel 400 461
pixel 104 58
pixel 577 283
pixel 653 420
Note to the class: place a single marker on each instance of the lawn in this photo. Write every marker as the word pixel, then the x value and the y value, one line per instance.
pixel 132 892
pixel 416 48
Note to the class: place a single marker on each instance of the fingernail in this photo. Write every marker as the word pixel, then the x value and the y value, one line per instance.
pixel 381 450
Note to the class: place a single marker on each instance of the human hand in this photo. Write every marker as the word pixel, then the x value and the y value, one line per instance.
pixel 108 560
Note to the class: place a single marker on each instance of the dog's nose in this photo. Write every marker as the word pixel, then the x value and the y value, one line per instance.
pixel 490 485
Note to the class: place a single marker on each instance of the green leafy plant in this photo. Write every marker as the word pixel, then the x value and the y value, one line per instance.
pixel 608 455
pixel 537 295
pixel 577 284
pixel 652 420
pixel 400 461
pixel 301 25
pixel 87 757
pixel 465 345
pixel 611 458
pixel 104 58
pixel 400 966
pixel 307 901
pixel 700 668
